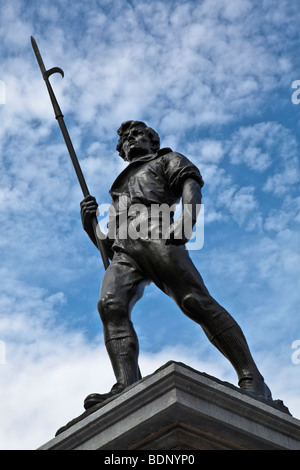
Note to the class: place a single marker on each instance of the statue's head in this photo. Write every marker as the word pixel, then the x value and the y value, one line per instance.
pixel 136 138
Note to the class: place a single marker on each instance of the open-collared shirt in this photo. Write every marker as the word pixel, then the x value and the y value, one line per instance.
pixel 152 180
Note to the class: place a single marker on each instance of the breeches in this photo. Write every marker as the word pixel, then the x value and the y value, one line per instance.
pixel 172 270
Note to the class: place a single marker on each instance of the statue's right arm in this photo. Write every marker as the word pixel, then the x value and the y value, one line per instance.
pixel 88 211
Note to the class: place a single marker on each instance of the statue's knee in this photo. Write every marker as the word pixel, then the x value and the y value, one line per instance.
pixel 104 306
pixel 188 303
pixel 194 303
pixel 199 305
pixel 111 308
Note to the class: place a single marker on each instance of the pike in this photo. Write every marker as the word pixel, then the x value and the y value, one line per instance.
pixel 60 118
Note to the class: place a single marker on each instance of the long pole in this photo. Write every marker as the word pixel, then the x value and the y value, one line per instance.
pixel 60 118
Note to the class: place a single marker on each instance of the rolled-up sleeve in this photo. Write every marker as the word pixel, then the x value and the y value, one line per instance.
pixel 178 169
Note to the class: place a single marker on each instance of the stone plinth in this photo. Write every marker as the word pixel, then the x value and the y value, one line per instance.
pixel 179 408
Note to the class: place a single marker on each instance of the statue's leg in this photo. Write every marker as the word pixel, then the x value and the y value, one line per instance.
pixel 122 286
pixel 173 271
pixel 221 329
pixel 233 345
pixel 224 333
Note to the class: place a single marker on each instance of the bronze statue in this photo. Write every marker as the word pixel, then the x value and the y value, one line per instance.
pixel 156 176
pixel 153 178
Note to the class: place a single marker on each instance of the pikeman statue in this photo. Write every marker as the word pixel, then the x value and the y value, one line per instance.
pixel 156 176
pixel 153 177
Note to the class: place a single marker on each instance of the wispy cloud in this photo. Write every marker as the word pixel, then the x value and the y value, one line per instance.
pixel 214 78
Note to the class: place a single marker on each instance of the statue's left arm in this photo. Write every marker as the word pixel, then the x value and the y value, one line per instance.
pixel 182 229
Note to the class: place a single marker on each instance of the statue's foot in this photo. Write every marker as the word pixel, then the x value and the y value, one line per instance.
pixel 98 398
pixel 95 399
pixel 256 387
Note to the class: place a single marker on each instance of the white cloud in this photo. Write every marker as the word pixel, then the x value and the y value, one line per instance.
pixel 259 145
pixel 45 393
pixel 49 392
pixel 269 150
pixel 285 217
pixel 201 74
pixel 281 182
pixel 238 201
pixel 207 151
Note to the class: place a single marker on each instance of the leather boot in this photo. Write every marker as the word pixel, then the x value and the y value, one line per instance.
pixel 123 354
pixel 233 345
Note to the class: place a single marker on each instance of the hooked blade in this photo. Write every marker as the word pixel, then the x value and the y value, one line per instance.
pixel 38 55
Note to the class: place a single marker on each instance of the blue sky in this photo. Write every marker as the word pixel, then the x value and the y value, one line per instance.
pixel 214 78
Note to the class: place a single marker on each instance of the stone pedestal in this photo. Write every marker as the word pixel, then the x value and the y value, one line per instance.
pixel 179 408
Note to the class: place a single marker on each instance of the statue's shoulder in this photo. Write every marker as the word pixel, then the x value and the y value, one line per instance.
pixel 175 163
pixel 173 157
pixel 164 151
pixel 168 153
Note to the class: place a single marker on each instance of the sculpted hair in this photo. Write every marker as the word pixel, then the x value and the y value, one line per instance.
pixel 154 137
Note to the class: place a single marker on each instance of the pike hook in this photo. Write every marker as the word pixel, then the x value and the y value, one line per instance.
pixel 49 72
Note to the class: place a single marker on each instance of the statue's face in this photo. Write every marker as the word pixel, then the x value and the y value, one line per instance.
pixel 136 143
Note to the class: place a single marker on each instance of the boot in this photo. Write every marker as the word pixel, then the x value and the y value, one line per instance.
pixel 233 345
pixel 123 354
